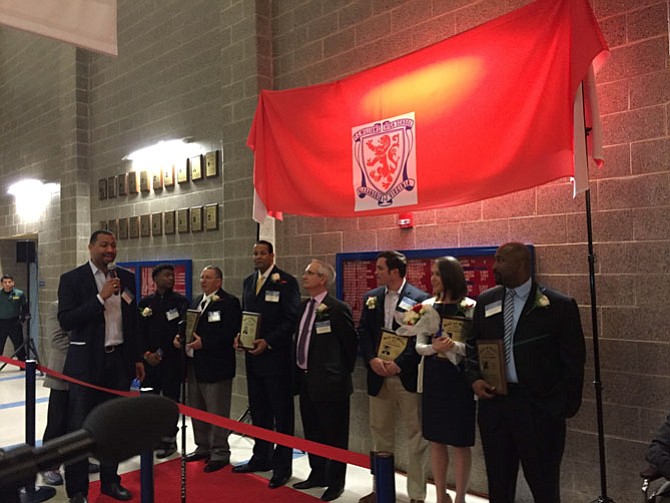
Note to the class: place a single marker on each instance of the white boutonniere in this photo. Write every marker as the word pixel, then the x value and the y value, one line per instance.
pixel 466 304
pixel 321 311
pixel 371 302
pixel 541 300
pixel 146 312
pixel 214 298
pixel 275 277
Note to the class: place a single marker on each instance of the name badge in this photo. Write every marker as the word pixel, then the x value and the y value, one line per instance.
pixel 406 304
pixel 172 314
pixel 322 327
pixel 214 316
pixel 493 308
pixel 271 296
pixel 128 296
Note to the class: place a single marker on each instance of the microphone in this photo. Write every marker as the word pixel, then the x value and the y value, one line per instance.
pixel 111 268
pixel 114 431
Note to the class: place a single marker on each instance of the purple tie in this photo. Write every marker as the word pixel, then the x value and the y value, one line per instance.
pixel 304 333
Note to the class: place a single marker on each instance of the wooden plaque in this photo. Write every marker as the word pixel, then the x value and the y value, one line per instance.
pixel 169 222
pixel 122 184
pixel 157 181
pixel 212 217
pixel 112 226
pixel 102 188
pixel 183 220
pixel 111 186
pixel 168 176
pixel 196 219
pixel 132 183
pixel 157 224
pixel 144 181
pixel 123 228
pixel 192 318
pixel 145 226
pixel 249 330
pixel 134 227
pixel 391 345
pixel 182 172
pixel 491 354
pixel 195 166
pixel 212 161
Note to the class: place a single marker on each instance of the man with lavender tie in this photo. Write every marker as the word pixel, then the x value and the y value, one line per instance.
pixel 544 355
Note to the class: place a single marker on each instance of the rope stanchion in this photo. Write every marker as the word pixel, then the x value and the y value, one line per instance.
pixel 146 469
pixel 384 476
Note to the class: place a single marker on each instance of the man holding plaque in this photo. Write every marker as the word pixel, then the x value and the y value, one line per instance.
pixel 325 355
pixel 270 301
pixel 392 384
pixel 160 314
pixel 540 344
pixel 211 366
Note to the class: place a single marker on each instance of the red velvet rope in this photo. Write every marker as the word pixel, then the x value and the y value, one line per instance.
pixel 326 451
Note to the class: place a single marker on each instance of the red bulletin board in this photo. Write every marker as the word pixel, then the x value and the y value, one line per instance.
pixel 356 272
pixel 145 284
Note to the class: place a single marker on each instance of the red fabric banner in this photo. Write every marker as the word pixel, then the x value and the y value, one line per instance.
pixel 478 115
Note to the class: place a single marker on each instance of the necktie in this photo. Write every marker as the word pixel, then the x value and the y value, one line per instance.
pixel 259 283
pixel 304 333
pixel 508 317
pixel 203 303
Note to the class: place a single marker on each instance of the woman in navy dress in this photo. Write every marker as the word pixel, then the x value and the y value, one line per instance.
pixel 448 403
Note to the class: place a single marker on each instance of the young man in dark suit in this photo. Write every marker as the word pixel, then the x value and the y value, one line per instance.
pixel 274 295
pixel 325 355
pixel 392 385
pixel 211 367
pixel 544 355
pixel 96 304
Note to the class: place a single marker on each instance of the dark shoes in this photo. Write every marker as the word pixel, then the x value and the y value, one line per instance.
pixel 78 498
pixel 278 481
pixel 116 491
pixel 214 465
pixel 195 456
pixel 166 450
pixel 250 468
pixel 93 467
pixel 308 484
pixel 332 493
pixel 52 477
pixel 369 498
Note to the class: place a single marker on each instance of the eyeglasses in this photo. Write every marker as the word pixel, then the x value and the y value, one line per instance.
pixel 312 273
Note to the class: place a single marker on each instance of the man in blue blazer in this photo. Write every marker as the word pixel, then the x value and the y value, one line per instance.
pixel 544 355
pixel 97 304
pixel 274 295
pixel 392 385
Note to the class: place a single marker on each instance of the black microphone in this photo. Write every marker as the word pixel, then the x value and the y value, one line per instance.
pixel 114 431
pixel 111 268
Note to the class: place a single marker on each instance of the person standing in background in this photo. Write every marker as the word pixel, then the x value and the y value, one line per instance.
pixel 13 312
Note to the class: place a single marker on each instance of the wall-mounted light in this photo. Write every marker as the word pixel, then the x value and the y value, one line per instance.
pixel 31 198
pixel 165 152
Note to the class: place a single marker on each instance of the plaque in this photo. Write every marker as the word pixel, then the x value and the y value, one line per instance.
pixel 102 188
pixel 157 224
pixel 168 176
pixel 192 317
pixel 123 228
pixel 195 166
pixel 212 217
pixel 112 227
pixel 111 186
pixel 182 172
pixel 212 160
pixel 391 345
pixel 157 181
pixel 492 364
pixel 132 183
pixel 144 181
pixel 134 227
pixel 145 226
pixel 168 224
pixel 102 225
pixel 196 219
pixel 182 220
pixel 121 184
pixel 251 323
pixel 456 327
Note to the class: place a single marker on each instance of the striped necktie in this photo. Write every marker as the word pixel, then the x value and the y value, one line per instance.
pixel 508 317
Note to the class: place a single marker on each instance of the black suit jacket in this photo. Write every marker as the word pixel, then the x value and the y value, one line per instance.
pixel 81 313
pixel 331 356
pixel 278 320
pixel 549 349
pixel 218 326
pixel 369 333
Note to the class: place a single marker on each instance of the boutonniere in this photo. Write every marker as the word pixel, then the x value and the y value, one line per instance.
pixel 275 277
pixel 146 312
pixel 15 297
pixel 466 304
pixel 541 300
pixel 214 298
pixel 321 312
pixel 371 302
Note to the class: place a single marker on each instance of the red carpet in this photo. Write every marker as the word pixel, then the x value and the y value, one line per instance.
pixel 222 486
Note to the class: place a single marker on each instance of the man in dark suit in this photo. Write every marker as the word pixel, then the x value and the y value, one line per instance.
pixel 96 303
pixel 544 357
pixel 325 355
pixel 392 385
pixel 160 314
pixel 274 295
pixel 212 366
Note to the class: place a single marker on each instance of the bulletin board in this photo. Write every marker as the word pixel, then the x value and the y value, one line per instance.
pixel 144 284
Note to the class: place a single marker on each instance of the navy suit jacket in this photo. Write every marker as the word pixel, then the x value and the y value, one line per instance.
pixel 81 313
pixel 369 333
pixel 549 349
pixel 278 320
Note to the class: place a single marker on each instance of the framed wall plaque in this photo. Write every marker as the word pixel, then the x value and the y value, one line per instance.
pixel 196 219
pixel 168 176
pixel 112 227
pixel 111 186
pixel 132 183
pixel 134 227
pixel 183 220
pixel 144 181
pixel 156 224
pixel 123 228
pixel 182 172
pixel 195 166
pixel 212 161
pixel 157 181
pixel 122 184
pixel 102 188
pixel 145 226
pixel 212 217
pixel 168 222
